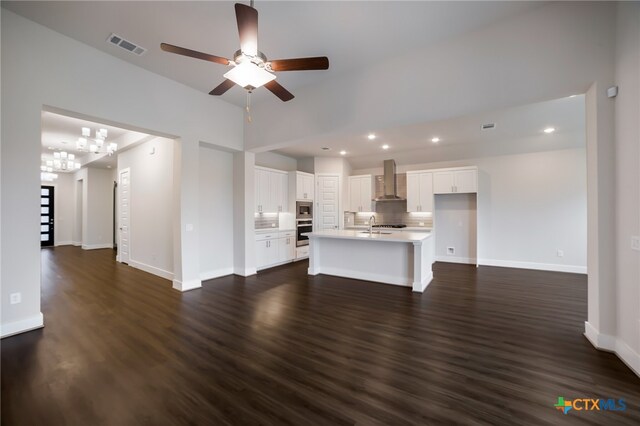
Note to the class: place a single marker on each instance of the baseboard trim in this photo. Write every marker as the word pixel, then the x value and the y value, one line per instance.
pixel 574 269
pixel 187 285
pixel 421 287
pixel 605 342
pixel 453 259
pixel 151 269
pixel 76 243
pixel 22 326
pixel 65 243
pixel 96 246
pixel 244 272
pixel 216 273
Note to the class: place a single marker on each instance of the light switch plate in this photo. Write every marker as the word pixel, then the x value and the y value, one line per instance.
pixel 189 227
pixel 635 242
pixel 15 298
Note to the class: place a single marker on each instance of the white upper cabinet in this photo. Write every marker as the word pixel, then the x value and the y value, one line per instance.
pixel 304 186
pixel 271 191
pixel 464 180
pixel 360 193
pixel 419 191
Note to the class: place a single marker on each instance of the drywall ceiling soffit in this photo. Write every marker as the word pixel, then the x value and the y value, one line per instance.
pixel 517 129
pixel 347 32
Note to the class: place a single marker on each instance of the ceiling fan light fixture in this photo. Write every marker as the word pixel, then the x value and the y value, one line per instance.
pixel 248 74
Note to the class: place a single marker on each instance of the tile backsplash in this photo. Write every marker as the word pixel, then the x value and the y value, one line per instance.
pixel 266 220
pixel 390 212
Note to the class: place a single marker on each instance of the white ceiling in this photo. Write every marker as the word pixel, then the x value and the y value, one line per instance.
pixel 351 34
pixel 518 129
pixel 60 133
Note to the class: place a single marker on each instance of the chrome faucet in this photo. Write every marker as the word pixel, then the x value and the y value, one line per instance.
pixel 372 220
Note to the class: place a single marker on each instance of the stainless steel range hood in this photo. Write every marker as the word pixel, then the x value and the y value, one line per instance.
pixel 389 181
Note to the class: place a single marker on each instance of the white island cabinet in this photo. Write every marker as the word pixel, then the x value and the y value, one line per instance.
pixel 400 258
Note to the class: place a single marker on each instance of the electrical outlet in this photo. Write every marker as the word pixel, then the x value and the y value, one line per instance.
pixel 366 223
pixel 273 225
pixel 451 250
pixel 421 224
pixel 635 242
pixel 15 298
pixel 560 253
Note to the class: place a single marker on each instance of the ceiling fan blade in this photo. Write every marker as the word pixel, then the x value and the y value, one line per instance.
pixel 247 18
pixel 222 87
pixel 277 89
pixel 193 54
pixel 300 64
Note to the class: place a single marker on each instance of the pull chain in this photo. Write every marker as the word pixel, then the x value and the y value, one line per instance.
pixel 248 106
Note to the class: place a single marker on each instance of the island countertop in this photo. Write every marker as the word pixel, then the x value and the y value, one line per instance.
pixel 358 234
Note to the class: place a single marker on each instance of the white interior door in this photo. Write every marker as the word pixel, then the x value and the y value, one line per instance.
pixel 328 215
pixel 125 200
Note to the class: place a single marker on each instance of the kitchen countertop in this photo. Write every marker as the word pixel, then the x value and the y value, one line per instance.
pixel 267 230
pixel 408 228
pixel 392 237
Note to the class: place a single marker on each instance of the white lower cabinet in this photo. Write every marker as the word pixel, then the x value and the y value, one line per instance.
pixel 274 248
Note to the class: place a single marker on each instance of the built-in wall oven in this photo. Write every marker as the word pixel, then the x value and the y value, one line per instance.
pixel 303 226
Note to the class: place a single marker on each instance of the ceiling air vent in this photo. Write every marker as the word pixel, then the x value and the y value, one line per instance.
pixel 126 44
pixel 488 126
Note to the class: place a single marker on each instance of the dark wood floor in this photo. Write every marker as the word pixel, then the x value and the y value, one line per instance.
pixel 480 346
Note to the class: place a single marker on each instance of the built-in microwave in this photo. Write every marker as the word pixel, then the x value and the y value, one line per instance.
pixel 304 209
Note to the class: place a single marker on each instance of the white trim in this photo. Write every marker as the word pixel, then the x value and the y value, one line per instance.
pixel 65 243
pixel 151 269
pixel 366 276
pixel 96 246
pixel 186 286
pixel 420 287
pixel 576 269
pixel 216 273
pixel 454 259
pixel 606 342
pixel 22 326
pixel 244 272
pixel 76 243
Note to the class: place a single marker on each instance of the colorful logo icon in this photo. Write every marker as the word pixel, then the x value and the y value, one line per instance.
pixel 563 405
pixel 589 404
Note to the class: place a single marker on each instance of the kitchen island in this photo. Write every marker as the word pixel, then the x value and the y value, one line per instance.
pixel 399 258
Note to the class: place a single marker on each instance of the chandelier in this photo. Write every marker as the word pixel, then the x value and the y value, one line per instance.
pixel 62 161
pixel 98 144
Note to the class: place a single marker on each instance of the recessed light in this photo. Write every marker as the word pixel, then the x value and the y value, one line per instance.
pixel 549 130
pixel 435 140
pixel 371 136
pixel 325 148
pixel 343 152
pixel 385 146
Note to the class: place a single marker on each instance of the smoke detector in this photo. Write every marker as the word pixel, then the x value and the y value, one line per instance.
pixel 126 44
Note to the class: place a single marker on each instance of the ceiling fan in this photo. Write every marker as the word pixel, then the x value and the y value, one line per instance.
pixel 251 69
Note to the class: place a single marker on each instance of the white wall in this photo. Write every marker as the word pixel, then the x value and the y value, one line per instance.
pixel 216 213
pixel 276 161
pixel 150 206
pixel 105 89
pixel 626 340
pixel 99 211
pixel 529 205
pixel 306 165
